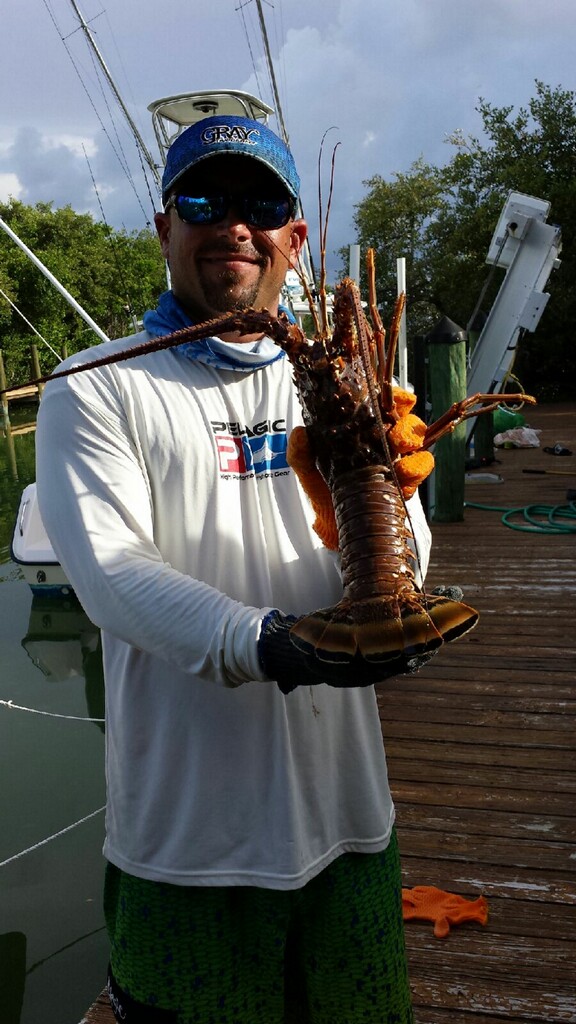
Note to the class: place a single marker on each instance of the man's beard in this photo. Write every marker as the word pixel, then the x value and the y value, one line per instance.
pixel 225 295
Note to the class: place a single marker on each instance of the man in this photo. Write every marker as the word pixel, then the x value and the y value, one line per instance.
pixel 252 868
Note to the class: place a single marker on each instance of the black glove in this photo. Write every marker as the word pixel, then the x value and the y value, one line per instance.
pixel 291 667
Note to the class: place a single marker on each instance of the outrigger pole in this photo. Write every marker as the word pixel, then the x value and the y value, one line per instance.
pixel 54 281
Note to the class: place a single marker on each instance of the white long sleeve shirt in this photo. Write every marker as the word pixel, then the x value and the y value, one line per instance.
pixel 165 491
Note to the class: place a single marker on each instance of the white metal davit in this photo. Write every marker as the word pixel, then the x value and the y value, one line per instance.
pixel 528 248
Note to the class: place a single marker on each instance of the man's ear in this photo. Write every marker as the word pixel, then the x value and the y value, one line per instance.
pixel 297 239
pixel 162 222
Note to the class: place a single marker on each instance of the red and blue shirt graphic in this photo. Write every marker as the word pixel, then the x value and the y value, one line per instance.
pixel 258 450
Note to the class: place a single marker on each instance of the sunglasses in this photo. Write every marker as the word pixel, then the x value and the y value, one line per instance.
pixel 267 214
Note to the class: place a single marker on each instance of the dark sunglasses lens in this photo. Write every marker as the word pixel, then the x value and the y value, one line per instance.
pixel 260 213
pixel 267 213
pixel 201 209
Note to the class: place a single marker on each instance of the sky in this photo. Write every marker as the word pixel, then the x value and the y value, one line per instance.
pixel 393 79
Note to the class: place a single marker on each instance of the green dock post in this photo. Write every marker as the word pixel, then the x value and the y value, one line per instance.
pixel 447 376
pixel 4 409
pixel 36 371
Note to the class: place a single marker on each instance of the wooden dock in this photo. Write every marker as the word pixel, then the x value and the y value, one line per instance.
pixel 482 757
pixel 27 393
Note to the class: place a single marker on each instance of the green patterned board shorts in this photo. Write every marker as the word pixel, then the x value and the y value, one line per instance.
pixel 331 952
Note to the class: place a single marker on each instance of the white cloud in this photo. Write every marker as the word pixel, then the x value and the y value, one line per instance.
pixel 80 145
pixel 10 187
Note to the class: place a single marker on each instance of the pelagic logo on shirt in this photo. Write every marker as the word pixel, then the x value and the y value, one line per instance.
pixel 259 450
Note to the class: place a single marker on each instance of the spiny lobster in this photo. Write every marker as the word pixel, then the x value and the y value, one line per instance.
pixel 371 452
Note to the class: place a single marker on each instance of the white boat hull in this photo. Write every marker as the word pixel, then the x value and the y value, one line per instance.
pixel 32 551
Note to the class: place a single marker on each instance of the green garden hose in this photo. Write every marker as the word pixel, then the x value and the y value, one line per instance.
pixel 536 518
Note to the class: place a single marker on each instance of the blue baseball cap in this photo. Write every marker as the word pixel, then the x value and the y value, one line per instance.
pixel 214 136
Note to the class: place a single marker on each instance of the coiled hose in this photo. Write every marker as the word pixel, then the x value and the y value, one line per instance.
pixel 536 518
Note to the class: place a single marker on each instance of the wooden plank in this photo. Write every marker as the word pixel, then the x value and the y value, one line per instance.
pixel 503 824
pixel 490 780
pixel 473 995
pixel 496 648
pixel 22 428
pixel 433 1015
pixel 472 879
pixel 100 1012
pixel 538 656
pixel 30 391
pixel 462 795
pixel 537 854
pixel 460 686
pixel 495 956
pixel 473 670
pixel 410 702
pixel 476 754
pixel 523 722
pixel 444 732
pixel 528 917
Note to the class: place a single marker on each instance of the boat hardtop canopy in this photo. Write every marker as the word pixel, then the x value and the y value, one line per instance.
pixel 172 114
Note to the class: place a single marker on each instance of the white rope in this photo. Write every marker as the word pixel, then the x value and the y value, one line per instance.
pixel 49 714
pixel 62 832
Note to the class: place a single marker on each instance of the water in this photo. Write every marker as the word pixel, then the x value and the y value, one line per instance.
pixel 53 947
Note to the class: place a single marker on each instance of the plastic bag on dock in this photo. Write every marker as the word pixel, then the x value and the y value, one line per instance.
pixel 518 437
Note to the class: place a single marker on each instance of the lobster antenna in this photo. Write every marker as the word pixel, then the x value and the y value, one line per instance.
pixel 260 321
pixel 323 228
pixel 384 378
pixel 300 270
pixel 377 325
pixel 394 334
pixel 309 299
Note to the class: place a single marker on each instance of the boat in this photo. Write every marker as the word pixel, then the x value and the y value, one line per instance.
pixel 32 551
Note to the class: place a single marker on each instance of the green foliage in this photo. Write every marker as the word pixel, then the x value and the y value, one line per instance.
pixel 393 220
pixel 113 275
pixel 17 468
pixel 442 220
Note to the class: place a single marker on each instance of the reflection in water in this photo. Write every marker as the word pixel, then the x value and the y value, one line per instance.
pixel 12 976
pixel 51 915
pixel 52 937
pixel 11 431
pixel 62 642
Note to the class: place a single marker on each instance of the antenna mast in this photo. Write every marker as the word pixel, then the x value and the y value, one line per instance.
pixel 143 147
pixel 278 105
pixel 306 250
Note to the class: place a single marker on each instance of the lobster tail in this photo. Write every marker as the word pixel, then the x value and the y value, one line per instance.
pixel 383 617
pixel 452 618
pixel 371 630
